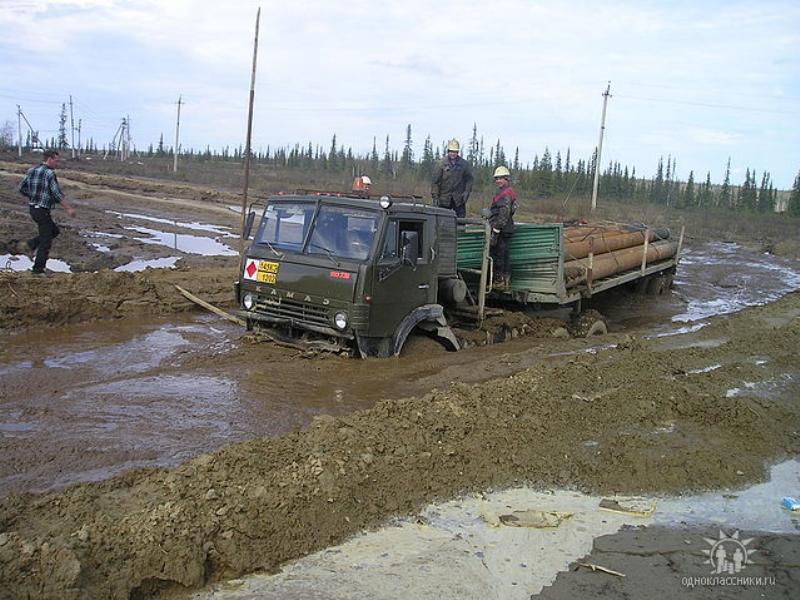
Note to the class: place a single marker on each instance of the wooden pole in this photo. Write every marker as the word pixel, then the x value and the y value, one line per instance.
pixel 249 134
pixel 606 95
pixel 177 138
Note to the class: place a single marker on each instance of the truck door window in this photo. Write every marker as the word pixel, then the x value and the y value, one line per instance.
pixel 394 237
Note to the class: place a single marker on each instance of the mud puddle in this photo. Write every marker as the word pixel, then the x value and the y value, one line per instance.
pixel 98 369
pixel 20 262
pixel 713 278
pixel 464 546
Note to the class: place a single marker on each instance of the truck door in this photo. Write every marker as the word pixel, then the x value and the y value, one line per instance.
pixel 400 287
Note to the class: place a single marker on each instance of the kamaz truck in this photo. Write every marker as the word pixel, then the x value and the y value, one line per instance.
pixel 358 273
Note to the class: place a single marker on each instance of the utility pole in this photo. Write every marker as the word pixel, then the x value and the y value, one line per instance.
pixel 71 127
pixel 606 96
pixel 249 133
pixel 19 127
pixel 177 138
pixel 79 138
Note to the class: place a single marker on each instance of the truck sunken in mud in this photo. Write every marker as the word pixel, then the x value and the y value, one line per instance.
pixel 339 272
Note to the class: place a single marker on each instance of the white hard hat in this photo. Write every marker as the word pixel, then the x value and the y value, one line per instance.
pixel 501 172
pixel 453 146
pixel 366 180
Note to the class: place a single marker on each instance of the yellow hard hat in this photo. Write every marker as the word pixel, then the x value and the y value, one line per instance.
pixel 501 172
pixel 453 146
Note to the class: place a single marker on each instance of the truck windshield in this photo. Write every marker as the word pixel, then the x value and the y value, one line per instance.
pixel 343 232
pixel 285 225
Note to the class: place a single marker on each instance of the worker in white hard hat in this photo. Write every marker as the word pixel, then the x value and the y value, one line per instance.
pixel 452 181
pixel 367 183
pixel 501 218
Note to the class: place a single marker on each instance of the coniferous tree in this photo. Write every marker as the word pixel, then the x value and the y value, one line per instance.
pixel 764 203
pixel 386 167
pixel 794 198
pixel 374 159
pixel 408 152
pixel 725 193
pixel 474 148
pixel 62 129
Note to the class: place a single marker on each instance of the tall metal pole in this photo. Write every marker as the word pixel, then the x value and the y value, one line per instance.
pixel 249 134
pixel 71 127
pixel 79 138
pixel 606 96
pixel 177 133
pixel 19 127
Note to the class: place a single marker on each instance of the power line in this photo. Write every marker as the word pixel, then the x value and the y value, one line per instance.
pixel 709 105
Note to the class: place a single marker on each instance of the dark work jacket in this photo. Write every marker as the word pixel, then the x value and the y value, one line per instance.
pixel 452 182
pixel 501 215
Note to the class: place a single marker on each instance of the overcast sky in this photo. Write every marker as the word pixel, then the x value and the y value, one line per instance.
pixel 701 81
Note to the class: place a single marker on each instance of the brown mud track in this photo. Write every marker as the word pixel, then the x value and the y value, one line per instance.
pixel 61 298
pixel 646 416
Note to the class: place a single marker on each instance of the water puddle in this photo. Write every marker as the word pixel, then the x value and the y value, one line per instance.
pixel 20 262
pixel 718 278
pixel 191 244
pixel 153 263
pixel 464 546
pixel 218 229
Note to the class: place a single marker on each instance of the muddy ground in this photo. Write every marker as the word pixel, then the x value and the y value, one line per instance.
pixel 640 417
pixel 661 563
pixel 325 448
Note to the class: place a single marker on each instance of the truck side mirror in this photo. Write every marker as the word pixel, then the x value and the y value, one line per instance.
pixel 248 225
pixel 410 241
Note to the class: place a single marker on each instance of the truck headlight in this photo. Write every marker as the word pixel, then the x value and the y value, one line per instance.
pixel 340 320
pixel 249 301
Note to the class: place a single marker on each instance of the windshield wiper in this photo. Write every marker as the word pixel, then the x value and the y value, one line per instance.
pixel 275 252
pixel 328 253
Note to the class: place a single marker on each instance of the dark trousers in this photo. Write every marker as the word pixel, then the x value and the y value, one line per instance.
pixel 42 242
pixel 460 209
pixel 501 255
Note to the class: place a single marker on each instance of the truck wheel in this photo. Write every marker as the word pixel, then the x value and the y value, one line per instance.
pixel 656 286
pixel 589 323
pixel 419 343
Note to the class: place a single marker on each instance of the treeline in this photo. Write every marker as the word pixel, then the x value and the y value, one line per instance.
pixel 547 176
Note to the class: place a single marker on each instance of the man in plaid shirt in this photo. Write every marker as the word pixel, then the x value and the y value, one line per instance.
pixel 40 186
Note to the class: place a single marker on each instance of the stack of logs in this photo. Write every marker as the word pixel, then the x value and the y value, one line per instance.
pixel 611 249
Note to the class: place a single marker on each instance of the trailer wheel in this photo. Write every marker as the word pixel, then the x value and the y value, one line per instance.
pixel 589 323
pixel 656 286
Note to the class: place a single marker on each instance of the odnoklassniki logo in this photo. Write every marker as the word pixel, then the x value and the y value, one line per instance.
pixel 728 555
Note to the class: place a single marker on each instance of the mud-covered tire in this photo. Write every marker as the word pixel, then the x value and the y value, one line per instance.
pixel 588 324
pixel 656 286
pixel 669 281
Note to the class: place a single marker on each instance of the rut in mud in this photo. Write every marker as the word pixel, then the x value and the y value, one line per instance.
pixel 647 415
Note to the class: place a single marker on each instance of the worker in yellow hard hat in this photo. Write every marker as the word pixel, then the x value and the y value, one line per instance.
pixel 452 181
pixel 501 218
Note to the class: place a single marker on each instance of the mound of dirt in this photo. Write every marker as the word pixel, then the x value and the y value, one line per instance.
pixel 61 298
pixel 640 418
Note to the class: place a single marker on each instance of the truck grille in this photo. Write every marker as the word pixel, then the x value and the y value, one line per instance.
pixel 282 308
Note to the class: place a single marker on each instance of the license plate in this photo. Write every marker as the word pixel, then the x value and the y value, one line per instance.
pixel 266 266
pixel 271 278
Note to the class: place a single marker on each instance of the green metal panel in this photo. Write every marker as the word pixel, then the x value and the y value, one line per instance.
pixel 536 256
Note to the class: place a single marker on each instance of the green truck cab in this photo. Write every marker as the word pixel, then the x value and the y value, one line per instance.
pixel 350 272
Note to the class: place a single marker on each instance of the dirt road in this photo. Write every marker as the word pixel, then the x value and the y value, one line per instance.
pixel 668 420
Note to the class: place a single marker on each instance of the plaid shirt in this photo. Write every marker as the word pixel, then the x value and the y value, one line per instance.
pixel 41 187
